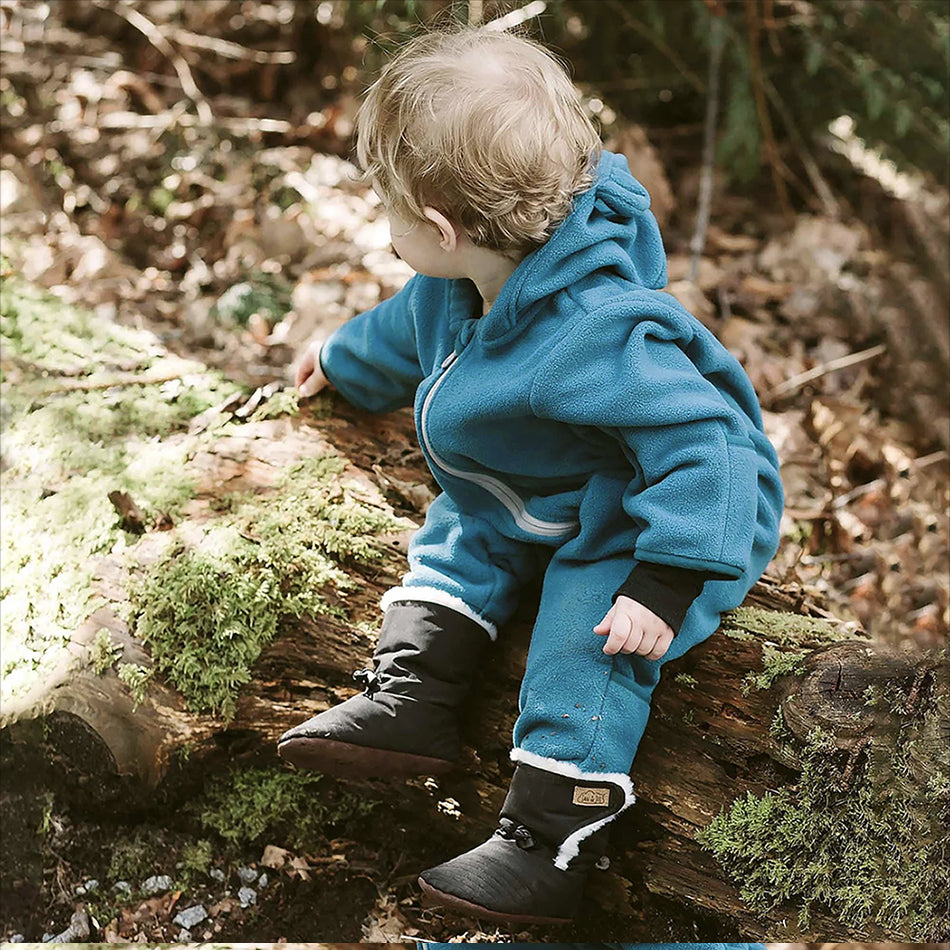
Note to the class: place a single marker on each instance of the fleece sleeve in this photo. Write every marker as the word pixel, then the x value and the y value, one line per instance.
pixel 372 359
pixel 693 495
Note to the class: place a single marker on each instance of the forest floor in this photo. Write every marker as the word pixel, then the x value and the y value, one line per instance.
pixel 235 245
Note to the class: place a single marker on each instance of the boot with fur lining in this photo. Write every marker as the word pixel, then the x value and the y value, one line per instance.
pixel 553 830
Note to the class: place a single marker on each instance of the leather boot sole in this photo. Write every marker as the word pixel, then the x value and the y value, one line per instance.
pixel 432 897
pixel 345 760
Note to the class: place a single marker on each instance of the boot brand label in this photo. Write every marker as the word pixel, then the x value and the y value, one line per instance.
pixel 591 796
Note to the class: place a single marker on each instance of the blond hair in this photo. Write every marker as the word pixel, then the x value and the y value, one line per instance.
pixel 484 126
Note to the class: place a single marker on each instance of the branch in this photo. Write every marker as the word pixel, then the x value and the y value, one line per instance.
pixel 232 50
pixel 852 359
pixel 236 124
pixel 698 242
pixel 755 69
pixel 666 50
pixel 155 36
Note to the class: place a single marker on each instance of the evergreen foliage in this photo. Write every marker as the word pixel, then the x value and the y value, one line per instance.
pixel 884 63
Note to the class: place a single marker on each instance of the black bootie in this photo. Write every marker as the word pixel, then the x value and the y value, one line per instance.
pixel 553 830
pixel 404 721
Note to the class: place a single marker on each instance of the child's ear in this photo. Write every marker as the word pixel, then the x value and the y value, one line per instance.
pixel 448 236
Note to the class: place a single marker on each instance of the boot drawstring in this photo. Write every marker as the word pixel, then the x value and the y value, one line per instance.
pixel 369 679
pixel 512 831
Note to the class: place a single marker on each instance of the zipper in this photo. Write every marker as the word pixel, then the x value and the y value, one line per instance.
pixel 507 496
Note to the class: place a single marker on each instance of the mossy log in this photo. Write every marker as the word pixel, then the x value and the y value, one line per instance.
pixel 732 719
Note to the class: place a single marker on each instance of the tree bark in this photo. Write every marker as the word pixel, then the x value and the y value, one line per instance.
pixel 709 741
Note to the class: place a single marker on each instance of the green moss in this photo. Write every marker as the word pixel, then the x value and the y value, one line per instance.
pixel 196 860
pixel 206 612
pixel 874 851
pixel 684 679
pixel 137 856
pixel 285 402
pixel 775 664
pixel 65 450
pixel 286 806
pixel 746 623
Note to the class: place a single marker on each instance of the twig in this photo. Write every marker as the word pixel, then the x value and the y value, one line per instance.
pixel 155 36
pixel 765 123
pixel 698 242
pixel 861 490
pixel 232 50
pixel 669 53
pixel 134 120
pixel 121 379
pixel 852 359
pixel 821 186
pixel 516 17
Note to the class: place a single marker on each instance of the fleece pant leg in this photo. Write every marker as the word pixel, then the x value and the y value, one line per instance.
pixel 577 704
pixel 462 561
pixel 581 706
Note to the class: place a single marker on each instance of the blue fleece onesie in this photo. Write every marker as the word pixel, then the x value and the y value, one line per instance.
pixel 585 425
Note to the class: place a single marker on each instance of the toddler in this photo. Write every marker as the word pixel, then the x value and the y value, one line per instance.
pixel 583 428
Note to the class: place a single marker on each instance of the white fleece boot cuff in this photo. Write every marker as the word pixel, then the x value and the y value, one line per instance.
pixel 435 595
pixel 570 846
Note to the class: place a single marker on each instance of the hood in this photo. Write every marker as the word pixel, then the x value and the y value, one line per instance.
pixel 610 228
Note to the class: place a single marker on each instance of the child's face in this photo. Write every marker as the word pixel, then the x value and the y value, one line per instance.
pixel 428 247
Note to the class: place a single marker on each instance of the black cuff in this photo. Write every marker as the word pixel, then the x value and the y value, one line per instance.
pixel 667 591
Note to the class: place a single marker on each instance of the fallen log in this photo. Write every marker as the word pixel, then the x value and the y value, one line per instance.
pixel 787 765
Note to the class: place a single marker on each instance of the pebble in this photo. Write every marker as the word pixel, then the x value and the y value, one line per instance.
pixel 191 916
pixel 121 887
pixel 217 874
pixel 247 896
pixel 262 881
pixel 247 874
pixel 157 884
pixel 184 935
pixel 17 938
pixel 91 885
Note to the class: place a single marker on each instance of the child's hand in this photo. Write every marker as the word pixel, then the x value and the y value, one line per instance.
pixel 632 628
pixel 308 376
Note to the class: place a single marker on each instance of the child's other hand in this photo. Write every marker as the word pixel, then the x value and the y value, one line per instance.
pixel 308 377
pixel 632 628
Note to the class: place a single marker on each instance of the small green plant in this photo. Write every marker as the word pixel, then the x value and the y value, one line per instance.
pixel 137 857
pixel 265 295
pixel 137 678
pixel 104 652
pixel 292 806
pixel 684 679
